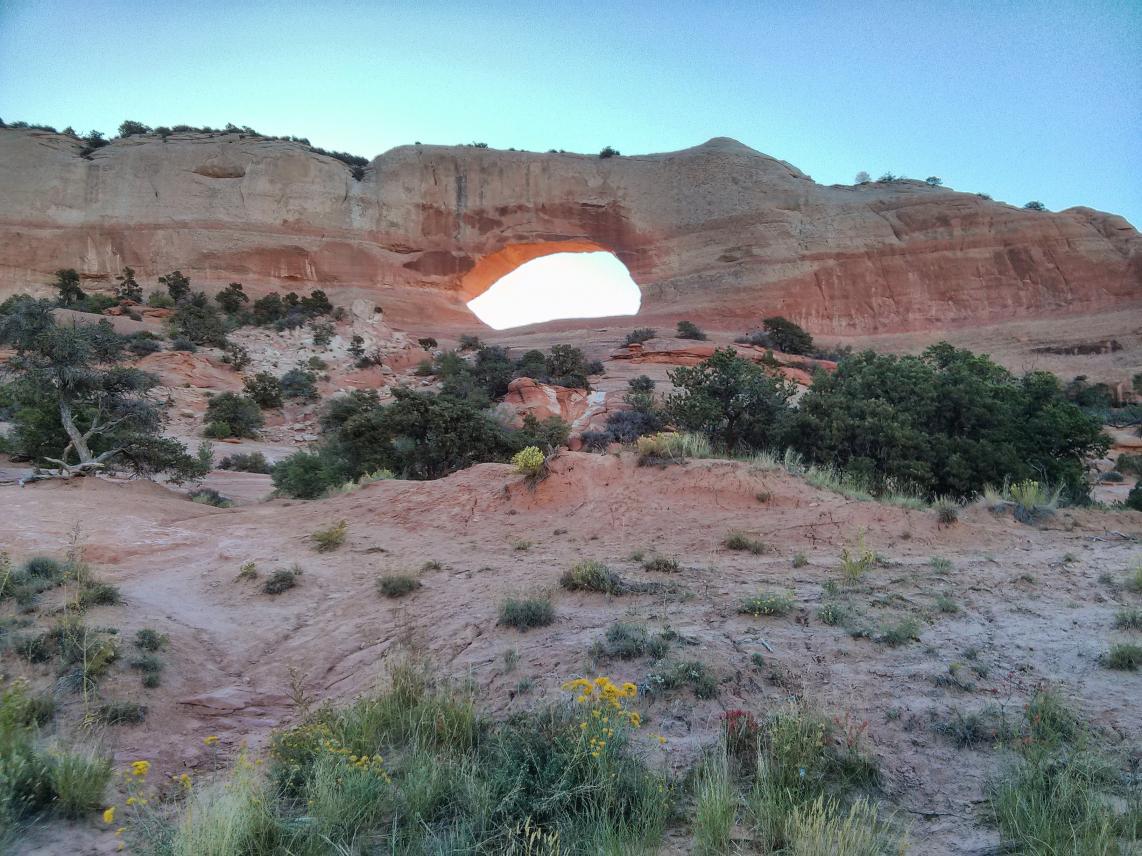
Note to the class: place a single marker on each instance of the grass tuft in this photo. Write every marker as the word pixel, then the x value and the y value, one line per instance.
pixel 397 585
pixel 591 575
pixel 741 542
pixel 526 613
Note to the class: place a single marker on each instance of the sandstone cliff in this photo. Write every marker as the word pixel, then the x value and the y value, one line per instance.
pixel 718 231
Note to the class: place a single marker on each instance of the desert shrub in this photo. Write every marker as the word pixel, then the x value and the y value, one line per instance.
pixel 525 613
pixel 626 426
pixel 305 475
pixel 689 330
pixel 141 344
pixel 237 357
pixel 242 462
pixel 788 336
pixel 122 713
pixel 591 575
pixel 549 434
pixel 231 298
pixel 1033 500
pixel 148 639
pixel 1128 619
pixel 715 806
pixel 281 580
pixel 609 152
pixel 98 594
pixel 672 447
pixel 181 343
pixel 397 585
pixel 661 565
pixel 197 320
pixel 322 332
pixel 947 422
pixel 641 384
pixel 901 633
pixel 669 675
pixel 529 461
pixel 595 441
pixel 947 510
pixel 299 383
pixel 1134 498
pixel 1130 464
pixel 329 539
pixel 79 779
pixel 209 496
pixel 427 343
pixel 630 641
pixel 640 335
pixel 741 542
pixel 236 415
pixel 767 603
pixel 730 400
pixel 1125 657
pixel 264 389
pixel 1035 205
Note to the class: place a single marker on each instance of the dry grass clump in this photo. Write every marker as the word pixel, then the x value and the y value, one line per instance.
pixel 1123 657
pixel 591 575
pixel 741 542
pixel 670 447
pixel 767 603
pixel 526 613
pixel 661 565
pixel 397 585
pixel 329 539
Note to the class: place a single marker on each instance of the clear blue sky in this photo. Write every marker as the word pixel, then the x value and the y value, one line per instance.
pixel 1022 99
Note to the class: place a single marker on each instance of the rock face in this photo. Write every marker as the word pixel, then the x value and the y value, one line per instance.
pixel 718 231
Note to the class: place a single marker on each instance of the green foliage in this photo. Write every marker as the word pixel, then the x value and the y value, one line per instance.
pixel 1125 656
pixel 529 461
pixel 397 585
pixel 788 336
pixel 629 642
pixel 591 575
pixel 526 613
pixel 150 640
pixel 609 152
pixel 741 542
pixel 329 539
pixel 767 603
pixel 74 399
pixel 1134 498
pixel 122 713
pixel 128 288
pixel 669 675
pixel 198 321
pixel 639 335
pixel 79 780
pixel 689 330
pixel 264 389
pixel 1034 205
pixel 281 580
pixel 731 401
pixel 231 298
pixel 948 422
pixel 177 285
pixel 299 383
pixel 242 462
pixel 67 284
pixel 305 475
pixel 237 415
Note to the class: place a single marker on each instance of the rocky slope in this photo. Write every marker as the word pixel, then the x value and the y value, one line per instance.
pixel 716 231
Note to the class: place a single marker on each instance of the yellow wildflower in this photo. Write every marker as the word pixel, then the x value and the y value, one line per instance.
pixel 211 740
pixel 140 768
pixel 109 814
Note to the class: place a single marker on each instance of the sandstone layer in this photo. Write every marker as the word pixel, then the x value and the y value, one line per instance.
pixel 718 231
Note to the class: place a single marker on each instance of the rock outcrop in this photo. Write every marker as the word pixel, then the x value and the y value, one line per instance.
pixel 718 231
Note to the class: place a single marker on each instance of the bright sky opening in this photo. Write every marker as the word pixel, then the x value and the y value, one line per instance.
pixel 562 285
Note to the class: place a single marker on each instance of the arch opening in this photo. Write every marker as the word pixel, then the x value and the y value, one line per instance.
pixel 592 284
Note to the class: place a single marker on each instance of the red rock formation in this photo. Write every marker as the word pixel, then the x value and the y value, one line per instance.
pixel 541 400
pixel 719 231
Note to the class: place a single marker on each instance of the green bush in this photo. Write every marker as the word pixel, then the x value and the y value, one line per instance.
pixel 281 580
pixel 397 585
pixel 237 415
pixel 299 383
pixel 305 475
pixel 526 613
pixel 591 575
pixel 197 320
pixel 689 330
pixel 730 400
pixel 947 422
pixel 265 390
pixel 787 336
pixel 253 462
pixel 639 335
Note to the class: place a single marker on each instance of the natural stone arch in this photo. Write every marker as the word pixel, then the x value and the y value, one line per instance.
pixel 494 266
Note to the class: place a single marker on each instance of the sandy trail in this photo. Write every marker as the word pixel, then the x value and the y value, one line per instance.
pixel 1033 601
